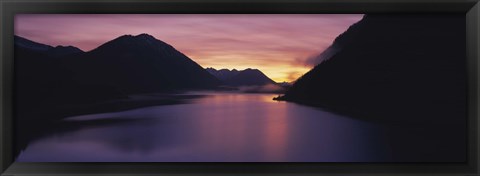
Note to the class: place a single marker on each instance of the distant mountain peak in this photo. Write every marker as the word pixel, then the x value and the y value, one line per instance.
pixel 64 50
pixel 148 38
pixel 141 41
pixel 233 70
pixel 139 36
pixel 145 35
pixel 68 47
pixel 246 77
pixel 252 70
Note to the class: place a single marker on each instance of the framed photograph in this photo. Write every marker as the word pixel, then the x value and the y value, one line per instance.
pixel 201 87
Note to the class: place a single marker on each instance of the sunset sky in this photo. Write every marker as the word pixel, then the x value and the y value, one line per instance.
pixel 278 45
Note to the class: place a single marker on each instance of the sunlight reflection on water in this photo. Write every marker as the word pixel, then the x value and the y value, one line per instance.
pixel 226 127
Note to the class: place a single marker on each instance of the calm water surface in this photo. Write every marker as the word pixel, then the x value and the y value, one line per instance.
pixel 224 127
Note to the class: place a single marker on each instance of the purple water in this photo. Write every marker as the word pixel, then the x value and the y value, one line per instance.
pixel 222 127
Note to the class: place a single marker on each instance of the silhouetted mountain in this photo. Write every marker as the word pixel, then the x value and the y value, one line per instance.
pixel 137 64
pixel 247 77
pixel 223 74
pixel 41 79
pixel 392 67
pixel 54 76
pixel 340 41
pixel 59 51
pixel 25 43
pixel 45 49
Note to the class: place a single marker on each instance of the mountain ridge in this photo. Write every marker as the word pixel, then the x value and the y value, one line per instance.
pixel 56 51
pixel 246 77
pixel 127 56
pixel 111 71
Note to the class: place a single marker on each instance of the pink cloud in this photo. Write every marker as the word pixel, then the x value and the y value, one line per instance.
pixel 211 40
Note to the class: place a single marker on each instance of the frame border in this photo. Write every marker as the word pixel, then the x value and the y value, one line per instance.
pixel 9 8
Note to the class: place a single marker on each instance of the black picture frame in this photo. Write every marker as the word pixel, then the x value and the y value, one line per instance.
pixel 9 8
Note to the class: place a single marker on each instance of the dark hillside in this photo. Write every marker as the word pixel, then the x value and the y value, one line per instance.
pixel 389 68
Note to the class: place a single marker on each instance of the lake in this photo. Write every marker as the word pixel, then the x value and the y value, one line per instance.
pixel 234 127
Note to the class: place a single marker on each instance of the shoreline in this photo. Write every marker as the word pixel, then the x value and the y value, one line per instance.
pixel 43 123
